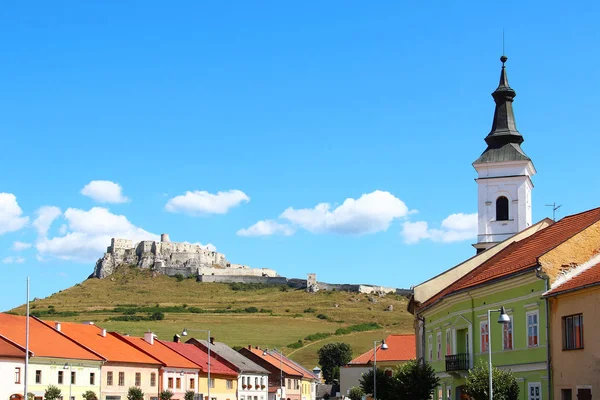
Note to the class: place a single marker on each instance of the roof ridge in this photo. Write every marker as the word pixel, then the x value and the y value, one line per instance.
pixel 574 272
pixel 122 338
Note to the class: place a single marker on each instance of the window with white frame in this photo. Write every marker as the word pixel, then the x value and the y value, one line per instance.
pixel 448 393
pixel 533 331
pixel 448 342
pixel 507 335
pixel 484 336
pixel 440 393
pixel 438 338
pixel 535 391
pixel 430 347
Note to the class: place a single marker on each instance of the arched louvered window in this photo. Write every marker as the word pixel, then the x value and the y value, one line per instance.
pixel 501 209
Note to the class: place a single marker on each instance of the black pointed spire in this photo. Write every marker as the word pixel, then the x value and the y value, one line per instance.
pixel 504 129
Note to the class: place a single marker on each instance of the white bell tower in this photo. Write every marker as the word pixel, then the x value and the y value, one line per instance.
pixel 504 174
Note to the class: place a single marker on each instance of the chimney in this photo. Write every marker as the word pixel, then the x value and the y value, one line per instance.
pixel 164 238
pixel 249 347
pixel 149 337
pixel 176 338
pixel 88 322
pixel 57 326
pixel 103 333
pixel 212 340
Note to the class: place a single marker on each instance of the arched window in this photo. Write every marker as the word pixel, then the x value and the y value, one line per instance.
pixel 501 209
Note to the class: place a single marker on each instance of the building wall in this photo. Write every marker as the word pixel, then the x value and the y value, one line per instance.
pixel 576 368
pixel 129 371
pixel 49 369
pixel 463 314
pixel 220 390
pixel 259 393
pixel 8 386
pixel 178 373
pixel 279 280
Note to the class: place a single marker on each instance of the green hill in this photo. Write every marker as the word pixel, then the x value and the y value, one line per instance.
pixel 134 301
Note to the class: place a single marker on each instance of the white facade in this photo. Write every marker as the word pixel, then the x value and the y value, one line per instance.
pixel 260 392
pixel 510 179
pixel 178 380
pixel 44 372
pixel 11 377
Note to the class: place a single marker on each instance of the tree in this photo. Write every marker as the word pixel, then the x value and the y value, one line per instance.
pixel 166 395
pixel 52 393
pixel 504 384
pixel 135 393
pixel 356 393
pixel 415 380
pixel 189 395
pixel 386 385
pixel 89 395
pixel 333 355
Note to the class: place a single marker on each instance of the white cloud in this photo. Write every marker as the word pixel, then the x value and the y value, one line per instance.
pixel 45 217
pixel 266 228
pixel 372 212
pixel 89 233
pixel 13 260
pixel 104 192
pixel 11 218
pixel 201 202
pixel 454 228
pixel 20 246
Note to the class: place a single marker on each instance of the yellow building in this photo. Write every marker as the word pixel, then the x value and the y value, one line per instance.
pixel 575 298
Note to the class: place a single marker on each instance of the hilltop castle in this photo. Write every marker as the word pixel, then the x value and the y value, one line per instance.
pixel 171 258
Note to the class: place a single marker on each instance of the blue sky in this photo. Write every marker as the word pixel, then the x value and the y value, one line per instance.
pixel 265 111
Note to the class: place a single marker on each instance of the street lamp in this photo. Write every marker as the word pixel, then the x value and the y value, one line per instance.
pixel 384 346
pixel 67 366
pixel 185 333
pixel 280 369
pixel 502 319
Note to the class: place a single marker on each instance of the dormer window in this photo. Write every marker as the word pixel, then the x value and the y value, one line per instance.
pixel 501 209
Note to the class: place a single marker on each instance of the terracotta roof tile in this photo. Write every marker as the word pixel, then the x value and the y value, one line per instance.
pixel 109 346
pixel 588 277
pixel 274 360
pixel 11 349
pixel 522 255
pixel 400 348
pixel 200 358
pixel 170 358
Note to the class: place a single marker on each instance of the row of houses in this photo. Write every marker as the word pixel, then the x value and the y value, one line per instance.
pixel 81 357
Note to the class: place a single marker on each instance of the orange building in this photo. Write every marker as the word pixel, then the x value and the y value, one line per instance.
pixel 575 298
pixel 177 374
pixel 125 367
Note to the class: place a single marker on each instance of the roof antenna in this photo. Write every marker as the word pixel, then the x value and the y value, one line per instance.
pixel 554 208
pixel 503 42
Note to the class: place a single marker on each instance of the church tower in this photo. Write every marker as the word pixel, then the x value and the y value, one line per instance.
pixel 504 174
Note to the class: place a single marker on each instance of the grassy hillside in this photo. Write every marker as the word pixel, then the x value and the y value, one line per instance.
pixel 131 300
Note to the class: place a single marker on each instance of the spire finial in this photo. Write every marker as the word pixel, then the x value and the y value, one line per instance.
pixel 503 59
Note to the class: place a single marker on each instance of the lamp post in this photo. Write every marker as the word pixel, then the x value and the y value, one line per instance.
pixel 27 343
pixel 280 369
pixel 384 346
pixel 68 366
pixel 185 333
pixel 502 319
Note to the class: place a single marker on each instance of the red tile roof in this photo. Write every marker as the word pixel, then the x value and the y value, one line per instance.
pixel 169 357
pixel 44 341
pixel 274 360
pixel 522 255
pixel 586 278
pixel 109 346
pixel 11 349
pixel 400 348
pixel 200 358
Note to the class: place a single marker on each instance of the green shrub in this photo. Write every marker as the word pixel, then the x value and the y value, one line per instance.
pixel 310 310
pixel 179 277
pixel 251 309
pixel 295 345
pixel 189 395
pixel 166 395
pixel 89 395
pixel 52 393
pixel 157 316
pixel 322 316
pixel 135 393
pixel 317 336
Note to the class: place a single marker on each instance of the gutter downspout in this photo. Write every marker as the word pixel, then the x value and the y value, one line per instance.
pixel 548 354
pixel 423 335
